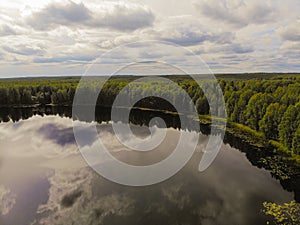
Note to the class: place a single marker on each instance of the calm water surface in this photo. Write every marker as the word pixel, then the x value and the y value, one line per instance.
pixel 44 180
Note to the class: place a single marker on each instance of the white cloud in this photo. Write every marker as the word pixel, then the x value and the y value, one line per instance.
pixel 123 17
pixel 291 32
pixel 187 31
pixel 237 12
pixel 6 30
pixel 23 50
pixel 59 14
pixel 176 196
pixel 64 182
pixel 50 37
pixel 7 200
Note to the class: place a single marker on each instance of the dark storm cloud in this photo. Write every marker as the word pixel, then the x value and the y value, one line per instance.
pixel 120 17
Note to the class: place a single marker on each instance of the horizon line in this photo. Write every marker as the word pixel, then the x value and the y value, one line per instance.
pixel 80 75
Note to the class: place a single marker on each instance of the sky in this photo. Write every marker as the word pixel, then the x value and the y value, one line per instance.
pixel 66 37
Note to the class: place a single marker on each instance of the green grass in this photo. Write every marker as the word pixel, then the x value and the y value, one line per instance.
pixel 254 137
pixel 281 148
pixel 248 130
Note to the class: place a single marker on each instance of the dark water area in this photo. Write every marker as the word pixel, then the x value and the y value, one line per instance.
pixel 45 180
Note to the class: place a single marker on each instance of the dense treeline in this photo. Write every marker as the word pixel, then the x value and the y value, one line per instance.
pixel 268 104
pixel 37 91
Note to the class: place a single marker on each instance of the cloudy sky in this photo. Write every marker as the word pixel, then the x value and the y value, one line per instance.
pixel 65 37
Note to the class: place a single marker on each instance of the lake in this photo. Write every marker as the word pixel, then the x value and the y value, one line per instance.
pixel 45 180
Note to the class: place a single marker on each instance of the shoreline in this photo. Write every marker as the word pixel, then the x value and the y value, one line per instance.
pixel 247 134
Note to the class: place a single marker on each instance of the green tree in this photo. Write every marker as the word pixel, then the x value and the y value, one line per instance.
pixel 272 118
pixel 231 102
pixel 296 141
pixel 14 96
pixel 289 123
pixel 26 97
pixel 238 114
pixel 285 214
pixel 256 109
pixel 3 96
pixel 202 106
pixel 54 98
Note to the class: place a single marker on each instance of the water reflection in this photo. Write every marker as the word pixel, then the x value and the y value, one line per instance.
pixel 44 180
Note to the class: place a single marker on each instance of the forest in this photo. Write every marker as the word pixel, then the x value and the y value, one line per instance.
pixel 266 103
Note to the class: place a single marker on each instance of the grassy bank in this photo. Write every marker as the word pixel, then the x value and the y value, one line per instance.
pixel 254 138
